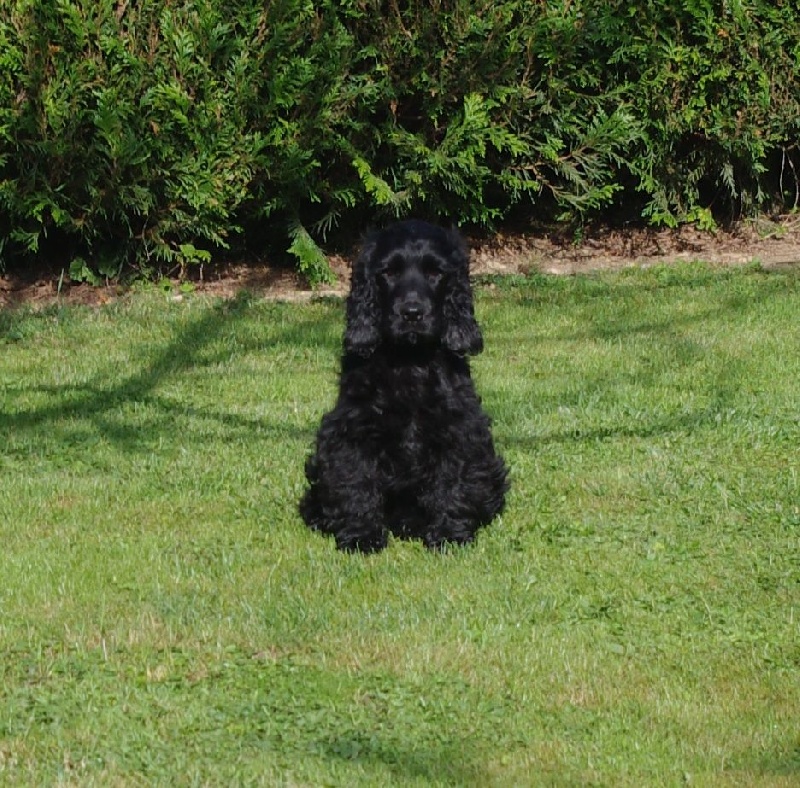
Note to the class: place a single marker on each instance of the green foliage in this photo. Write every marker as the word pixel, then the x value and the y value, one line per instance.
pixel 130 132
pixel 717 87
pixel 310 258
pixel 126 133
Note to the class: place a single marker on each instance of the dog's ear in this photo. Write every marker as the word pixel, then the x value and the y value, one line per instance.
pixel 461 332
pixel 362 333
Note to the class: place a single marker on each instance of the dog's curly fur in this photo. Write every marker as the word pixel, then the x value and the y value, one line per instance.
pixel 407 449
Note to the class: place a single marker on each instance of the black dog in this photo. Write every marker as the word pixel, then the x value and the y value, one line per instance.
pixel 407 449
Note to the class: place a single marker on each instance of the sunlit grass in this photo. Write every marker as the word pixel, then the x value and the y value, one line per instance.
pixel 631 619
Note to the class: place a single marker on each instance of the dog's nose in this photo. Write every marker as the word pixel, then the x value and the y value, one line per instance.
pixel 412 313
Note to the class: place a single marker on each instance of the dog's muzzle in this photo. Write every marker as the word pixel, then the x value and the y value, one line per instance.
pixel 412 319
pixel 412 313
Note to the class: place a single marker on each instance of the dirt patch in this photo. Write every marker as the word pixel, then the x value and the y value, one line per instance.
pixel 773 244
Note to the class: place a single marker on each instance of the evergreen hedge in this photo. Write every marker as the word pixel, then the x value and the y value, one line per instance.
pixel 150 132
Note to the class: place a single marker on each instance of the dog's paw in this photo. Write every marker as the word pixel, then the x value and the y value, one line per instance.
pixel 371 542
pixel 442 538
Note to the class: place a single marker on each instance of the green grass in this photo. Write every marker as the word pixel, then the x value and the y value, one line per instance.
pixel 632 619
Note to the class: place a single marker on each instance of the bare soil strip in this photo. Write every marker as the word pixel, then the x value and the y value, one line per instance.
pixel 772 244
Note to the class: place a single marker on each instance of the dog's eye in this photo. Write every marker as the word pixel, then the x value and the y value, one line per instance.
pixel 431 270
pixel 392 269
pixel 433 275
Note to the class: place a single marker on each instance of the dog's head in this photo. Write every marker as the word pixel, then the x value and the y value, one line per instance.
pixel 410 286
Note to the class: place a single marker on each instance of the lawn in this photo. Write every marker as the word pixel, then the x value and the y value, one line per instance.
pixel 632 619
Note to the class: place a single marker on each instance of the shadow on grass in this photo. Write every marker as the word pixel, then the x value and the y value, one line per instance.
pixel 100 400
pixel 655 428
pixel 646 373
pixel 640 401
pixel 609 309
pixel 449 763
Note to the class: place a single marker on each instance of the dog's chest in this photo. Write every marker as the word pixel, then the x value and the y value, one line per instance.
pixel 407 445
pixel 411 415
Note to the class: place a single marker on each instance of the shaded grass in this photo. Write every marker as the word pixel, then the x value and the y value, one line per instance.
pixel 631 619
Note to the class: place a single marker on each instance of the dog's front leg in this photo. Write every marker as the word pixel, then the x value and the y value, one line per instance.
pixel 466 496
pixel 345 497
pixel 448 531
pixel 362 529
pixel 353 513
pixel 450 517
